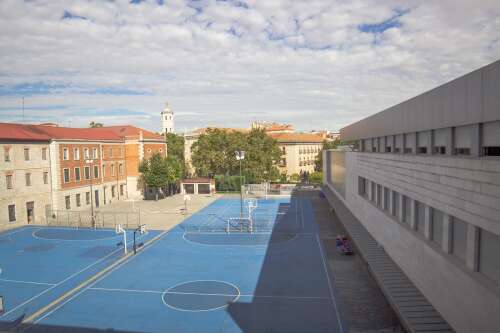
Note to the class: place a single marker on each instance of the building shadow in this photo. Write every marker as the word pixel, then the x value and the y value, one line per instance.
pixel 296 271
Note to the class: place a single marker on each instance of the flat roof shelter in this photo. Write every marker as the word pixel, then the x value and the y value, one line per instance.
pixel 198 186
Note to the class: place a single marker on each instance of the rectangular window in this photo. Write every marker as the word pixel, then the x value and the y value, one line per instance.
pixel 26 154
pixel 406 209
pixel 379 195
pixel 87 198
pixel 408 151
pixel 77 174
pixel 78 201
pixel 112 169
pixel 441 150
pixel 94 153
pixel 420 218
pixel 8 181
pixel 86 171
pixel 386 198
pixel 110 152
pixel 76 154
pixel 388 149
pixel 44 154
pixel 96 171
pixel 6 154
pixel 437 226
pixel 45 177
pixel 489 247
pixel 120 168
pixel 362 186
pixel 27 176
pixel 12 213
pixel 66 175
pixel 491 151
pixel 459 238
pixel 65 154
pixel 395 204
pixel 103 170
pixel 67 201
pixel 113 189
pixel 422 150
pixel 86 154
pixel 121 189
pixel 462 151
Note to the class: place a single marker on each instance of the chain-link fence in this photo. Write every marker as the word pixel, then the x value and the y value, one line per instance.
pixel 100 219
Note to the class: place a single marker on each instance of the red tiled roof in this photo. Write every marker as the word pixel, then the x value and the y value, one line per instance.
pixel 22 132
pixel 296 137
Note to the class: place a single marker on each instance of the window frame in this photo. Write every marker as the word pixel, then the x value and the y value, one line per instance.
pixel 64 175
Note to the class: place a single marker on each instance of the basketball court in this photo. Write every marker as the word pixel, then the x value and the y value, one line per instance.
pixel 226 268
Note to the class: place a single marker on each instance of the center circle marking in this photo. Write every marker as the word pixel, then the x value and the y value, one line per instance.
pixel 200 295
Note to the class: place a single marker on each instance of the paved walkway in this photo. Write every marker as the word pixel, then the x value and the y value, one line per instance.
pixel 415 312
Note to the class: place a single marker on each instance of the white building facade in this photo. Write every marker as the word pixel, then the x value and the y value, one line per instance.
pixel 424 181
pixel 167 120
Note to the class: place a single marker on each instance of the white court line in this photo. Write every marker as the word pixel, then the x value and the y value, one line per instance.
pixel 15 231
pixel 28 282
pixel 208 294
pixel 59 283
pixel 332 294
pixel 95 282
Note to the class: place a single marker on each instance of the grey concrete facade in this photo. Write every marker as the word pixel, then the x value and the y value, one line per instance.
pixel 425 183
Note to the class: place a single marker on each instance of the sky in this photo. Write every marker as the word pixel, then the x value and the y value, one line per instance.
pixel 316 64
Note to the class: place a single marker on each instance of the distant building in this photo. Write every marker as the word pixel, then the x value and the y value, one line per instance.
pixel 167 120
pixel 424 181
pixel 300 151
pixel 45 168
pixel 272 127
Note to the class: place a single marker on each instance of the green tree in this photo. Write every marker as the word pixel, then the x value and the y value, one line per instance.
pixel 214 154
pixel 93 124
pixel 175 145
pixel 318 163
pixel 316 177
pixel 156 172
pixel 295 178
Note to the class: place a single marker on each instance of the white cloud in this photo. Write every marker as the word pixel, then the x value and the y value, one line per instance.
pixel 300 62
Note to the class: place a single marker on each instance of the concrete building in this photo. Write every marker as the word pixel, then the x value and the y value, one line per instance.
pixel 48 168
pixel 424 180
pixel 167 120
pixel 25 180
pixel 299 151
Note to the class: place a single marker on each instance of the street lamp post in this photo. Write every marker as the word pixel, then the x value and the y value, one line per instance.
pixel 240 155
pixel 89 162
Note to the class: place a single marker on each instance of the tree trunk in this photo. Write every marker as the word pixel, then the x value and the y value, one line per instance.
pixel 156 193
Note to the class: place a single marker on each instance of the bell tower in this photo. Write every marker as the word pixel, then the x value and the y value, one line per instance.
pixel 167 120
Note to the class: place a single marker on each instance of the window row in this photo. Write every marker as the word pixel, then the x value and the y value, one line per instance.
pixel 309 150
pixel 451 234
pixel 88 198
pixel 7 154
pixel 87 172
pixel 28 180
pixel 477 139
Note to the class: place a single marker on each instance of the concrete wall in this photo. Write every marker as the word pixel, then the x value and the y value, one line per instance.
pixel 468 189
pixel 20 194
pixel 470 99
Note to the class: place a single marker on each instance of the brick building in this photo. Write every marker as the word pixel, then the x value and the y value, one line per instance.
pixel 45 167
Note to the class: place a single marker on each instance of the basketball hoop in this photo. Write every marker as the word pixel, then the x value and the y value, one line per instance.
pixel 119 230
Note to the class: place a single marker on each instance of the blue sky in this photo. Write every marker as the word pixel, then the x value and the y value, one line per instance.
pixel 318 64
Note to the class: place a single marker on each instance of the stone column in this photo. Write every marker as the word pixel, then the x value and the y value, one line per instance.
pixel 391 202
pixel 447 233
pixel 369 189
pixel 476 145
pixel 472 250
pixel 382 201
pixel 450 133
pixel 430 144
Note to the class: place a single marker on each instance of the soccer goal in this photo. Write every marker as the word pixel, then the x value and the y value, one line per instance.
pixel 243 223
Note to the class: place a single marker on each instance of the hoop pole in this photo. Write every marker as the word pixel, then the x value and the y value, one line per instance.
pixel 124 240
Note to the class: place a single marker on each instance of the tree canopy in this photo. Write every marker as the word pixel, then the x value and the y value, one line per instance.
pixel 175 145
pixel 94 124
pixel 158 171
pixel 214 154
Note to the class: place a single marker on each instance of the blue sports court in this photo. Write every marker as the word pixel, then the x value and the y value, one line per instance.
pixel 209 274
